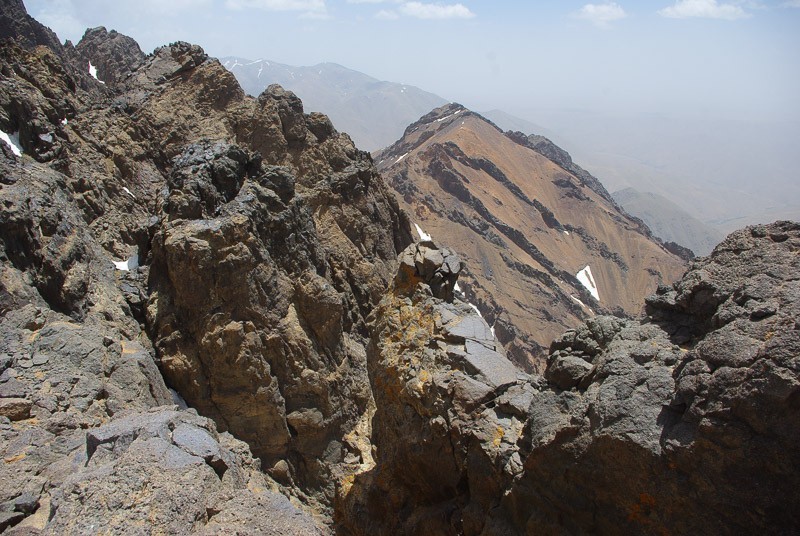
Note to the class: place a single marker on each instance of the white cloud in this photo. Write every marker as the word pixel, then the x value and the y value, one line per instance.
pixel 316 15
pixel 309 6
pixel 707 9
pixel 61 16
pixel 172 7
pixel 791 3
pixel 365 1
pixel 421 10
pixel 385 14
pixel 602 14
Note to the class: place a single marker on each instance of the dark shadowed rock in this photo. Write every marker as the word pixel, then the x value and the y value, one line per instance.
pixel 113 55
pixel 15 23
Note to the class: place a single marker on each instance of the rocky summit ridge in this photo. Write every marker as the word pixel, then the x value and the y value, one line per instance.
pixel 214 320
pixel 545 244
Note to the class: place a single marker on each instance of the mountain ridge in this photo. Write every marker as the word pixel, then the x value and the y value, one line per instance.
pixel 495 197
pixel 371 111
pixel 184 267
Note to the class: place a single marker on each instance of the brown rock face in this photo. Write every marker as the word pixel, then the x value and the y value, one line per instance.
pixel 526 225
pixel 169 220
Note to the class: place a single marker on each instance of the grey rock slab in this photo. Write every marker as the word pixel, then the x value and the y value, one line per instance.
pixel 119 434
pixel 13 388
pixel 196 441
pixel 489 366
pixel 470 327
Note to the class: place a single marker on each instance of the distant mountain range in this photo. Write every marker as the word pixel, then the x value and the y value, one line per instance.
pixel 668 221
pixel 723 175
pixel 374 113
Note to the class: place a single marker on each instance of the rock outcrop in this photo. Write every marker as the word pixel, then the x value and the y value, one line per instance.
pixel 657 427
pixel 159 224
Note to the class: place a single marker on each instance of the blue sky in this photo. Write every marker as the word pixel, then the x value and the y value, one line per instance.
pixel 716 58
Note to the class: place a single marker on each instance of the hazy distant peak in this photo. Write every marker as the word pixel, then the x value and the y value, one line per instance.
pixel 373 112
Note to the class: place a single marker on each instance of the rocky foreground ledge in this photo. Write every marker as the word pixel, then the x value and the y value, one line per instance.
pixel 683 423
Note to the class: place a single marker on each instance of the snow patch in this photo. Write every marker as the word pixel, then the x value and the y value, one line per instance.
pixel 587 280
pixel 458 289
pixel 130 264
pixel 476 309
pixel 581 303
pixel 422 234
pixel 64 121
pixel 47 138
pixel 13 141
pixel 400 157
pixel 128 192
pixel 566 232
pixel 93 72
pixel 261 68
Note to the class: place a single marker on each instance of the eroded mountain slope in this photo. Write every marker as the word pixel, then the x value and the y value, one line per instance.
pixel 527 226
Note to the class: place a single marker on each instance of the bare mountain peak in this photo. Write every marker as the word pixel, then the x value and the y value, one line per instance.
pixel 545 245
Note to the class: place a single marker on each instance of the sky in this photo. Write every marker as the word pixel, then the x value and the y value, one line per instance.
pixel 727 59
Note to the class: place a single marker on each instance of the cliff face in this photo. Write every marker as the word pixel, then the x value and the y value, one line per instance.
pixel 166 223
pixel 674 425
pixel 529 222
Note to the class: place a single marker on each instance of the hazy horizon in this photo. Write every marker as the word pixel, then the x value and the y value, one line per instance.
pixel 695 100
pixel 691 58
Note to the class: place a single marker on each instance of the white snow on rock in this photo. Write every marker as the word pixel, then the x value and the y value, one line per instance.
pixel 566 233
pixel 93 72
pixel 13 141
pixel 587 280
pixel 128 192
pixel 458 289
pixel 130 264
pixel 400 157
pixel 422 234
pixel 64 121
